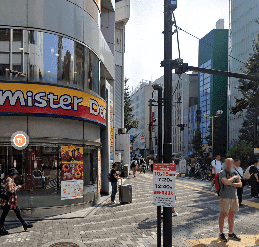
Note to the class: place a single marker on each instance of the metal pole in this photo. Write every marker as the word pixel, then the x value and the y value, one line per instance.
pixel 159 154
pixel 150 127
pixel 256 115
pixel 167 211
pixel 212 136
pixel 145 150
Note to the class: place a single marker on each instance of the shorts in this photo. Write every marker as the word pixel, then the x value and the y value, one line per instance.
pixel 227 204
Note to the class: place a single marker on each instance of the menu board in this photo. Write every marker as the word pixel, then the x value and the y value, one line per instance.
pixel 71 189
pixel 72 172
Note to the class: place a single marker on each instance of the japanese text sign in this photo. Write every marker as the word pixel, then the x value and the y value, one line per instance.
pixel 164 184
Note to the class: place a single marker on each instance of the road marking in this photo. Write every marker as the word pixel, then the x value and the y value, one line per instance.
pixel 245 202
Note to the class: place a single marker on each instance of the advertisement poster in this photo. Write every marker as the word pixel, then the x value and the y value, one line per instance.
pixel 71 189
pixel 164 184
pixel 72 172
pixel 99 171
pixel 72 162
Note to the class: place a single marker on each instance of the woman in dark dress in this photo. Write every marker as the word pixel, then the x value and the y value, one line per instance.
pixel 12 203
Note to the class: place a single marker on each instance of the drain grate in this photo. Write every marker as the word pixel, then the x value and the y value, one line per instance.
pixel 64 244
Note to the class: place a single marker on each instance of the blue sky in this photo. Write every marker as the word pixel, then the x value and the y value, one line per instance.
pixel 144 38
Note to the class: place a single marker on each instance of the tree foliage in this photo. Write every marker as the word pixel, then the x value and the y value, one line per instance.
pixel 246 87
pixel 243 151
pixel 220 138
pixel 130 122
pixel 197 143
pixel 247 130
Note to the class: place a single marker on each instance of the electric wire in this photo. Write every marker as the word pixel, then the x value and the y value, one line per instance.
pixel 178 43
pixel 208 44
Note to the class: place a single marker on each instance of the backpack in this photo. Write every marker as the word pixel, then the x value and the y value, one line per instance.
pixel 109 177
pixel 217 184
pixel 247 174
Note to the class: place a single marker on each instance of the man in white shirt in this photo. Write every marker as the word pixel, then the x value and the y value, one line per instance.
pixel 240 173
pixel 216 168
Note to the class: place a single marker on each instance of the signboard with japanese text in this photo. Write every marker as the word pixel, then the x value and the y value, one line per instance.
pixel 71 189
pixel 164 184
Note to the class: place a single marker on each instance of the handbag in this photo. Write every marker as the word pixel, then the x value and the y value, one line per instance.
pixel 4 194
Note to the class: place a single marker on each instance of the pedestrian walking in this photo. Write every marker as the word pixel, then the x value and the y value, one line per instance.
pixel 114 178
pixel 134 166
pixel 254 181
pixel 240 173
pixel 6 205
pixel 216 168
pixel 229 182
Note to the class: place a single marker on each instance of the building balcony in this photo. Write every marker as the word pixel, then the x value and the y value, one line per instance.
pixel 122 13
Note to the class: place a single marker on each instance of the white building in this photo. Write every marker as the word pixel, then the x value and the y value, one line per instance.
pixel 243 30
pixel 140 101
pixel 182 89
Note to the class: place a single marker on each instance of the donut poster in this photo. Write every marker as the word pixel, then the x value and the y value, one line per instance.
pixel 72 163
pixel 72 172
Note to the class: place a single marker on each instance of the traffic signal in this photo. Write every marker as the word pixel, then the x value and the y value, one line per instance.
pixel 182 126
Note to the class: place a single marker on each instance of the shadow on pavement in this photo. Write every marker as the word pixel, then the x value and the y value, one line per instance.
pixel 147 224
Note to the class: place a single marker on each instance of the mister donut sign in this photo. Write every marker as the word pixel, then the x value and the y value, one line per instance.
pixel 38 99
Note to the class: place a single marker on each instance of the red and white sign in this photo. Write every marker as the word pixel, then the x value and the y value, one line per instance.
pixel 164 184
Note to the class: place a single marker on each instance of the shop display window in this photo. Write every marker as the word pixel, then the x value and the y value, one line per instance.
pixel 52 174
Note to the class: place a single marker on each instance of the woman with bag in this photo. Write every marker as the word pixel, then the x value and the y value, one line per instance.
pixel 6 205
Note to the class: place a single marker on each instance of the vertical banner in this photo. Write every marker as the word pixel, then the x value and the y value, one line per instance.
pixel 99 171
pixel 164 184
pixel 72 172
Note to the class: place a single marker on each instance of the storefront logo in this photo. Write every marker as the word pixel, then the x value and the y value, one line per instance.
pixel 19 140
pixel 36 99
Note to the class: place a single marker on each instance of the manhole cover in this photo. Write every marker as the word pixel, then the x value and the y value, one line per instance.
pixel 64 244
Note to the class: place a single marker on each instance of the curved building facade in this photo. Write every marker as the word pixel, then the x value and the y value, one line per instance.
pixel 56 66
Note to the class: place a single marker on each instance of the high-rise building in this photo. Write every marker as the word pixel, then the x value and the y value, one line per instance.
pixel 243 30
pixel 213 88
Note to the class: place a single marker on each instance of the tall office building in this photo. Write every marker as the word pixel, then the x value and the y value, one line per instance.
pixel 243 30
pixel 212 88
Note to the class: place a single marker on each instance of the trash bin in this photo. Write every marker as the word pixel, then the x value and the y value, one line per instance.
pixel 126 171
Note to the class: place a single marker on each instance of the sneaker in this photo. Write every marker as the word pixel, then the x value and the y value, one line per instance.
pixel 233 236
pixel 241 205
pixel 174 214
pixel 212 189
pixel 222 237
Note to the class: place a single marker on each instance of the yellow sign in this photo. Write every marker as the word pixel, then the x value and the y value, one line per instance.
pixel 40 99
pixel 112 137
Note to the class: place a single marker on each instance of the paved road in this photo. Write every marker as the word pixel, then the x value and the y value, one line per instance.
pixel 135 224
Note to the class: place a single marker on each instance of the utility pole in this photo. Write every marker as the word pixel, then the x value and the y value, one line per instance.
pixel 150 129
pixel 159 154
pixel 212 136
pixel 169 7
pixel 256 116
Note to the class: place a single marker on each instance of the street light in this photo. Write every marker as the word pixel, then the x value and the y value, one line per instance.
pixel 207 115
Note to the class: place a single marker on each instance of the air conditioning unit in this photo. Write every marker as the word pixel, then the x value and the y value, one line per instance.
pixel 122 131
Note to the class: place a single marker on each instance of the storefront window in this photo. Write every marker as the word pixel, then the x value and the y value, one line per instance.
pixel 45 57
pixel 48 172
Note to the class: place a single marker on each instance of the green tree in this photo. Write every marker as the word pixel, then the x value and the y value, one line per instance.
pixel 246 87
pixel 243 151
pixel 197 143
pixel 130 122
pixel 247 130
pixel 220 140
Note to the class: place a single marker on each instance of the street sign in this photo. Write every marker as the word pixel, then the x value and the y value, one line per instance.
pixel 164 184
pixel 256 150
